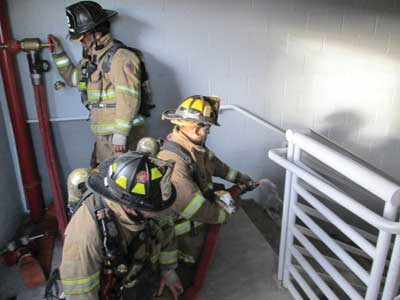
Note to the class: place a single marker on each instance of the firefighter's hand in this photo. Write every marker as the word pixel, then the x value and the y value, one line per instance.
pixel 58 48
pixel 170 279
pixel 225 200
pixel 118 143
pixel 245 179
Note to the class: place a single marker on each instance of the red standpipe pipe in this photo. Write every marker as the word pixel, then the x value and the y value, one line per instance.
pixel 49 153
pixel 16 107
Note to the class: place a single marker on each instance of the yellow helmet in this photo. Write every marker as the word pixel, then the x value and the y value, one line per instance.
pixel 197 109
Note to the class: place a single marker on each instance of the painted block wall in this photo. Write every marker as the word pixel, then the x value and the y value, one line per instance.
pixel 331 65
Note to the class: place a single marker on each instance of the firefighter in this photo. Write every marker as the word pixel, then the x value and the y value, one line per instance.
pixel 121 236
pixel 109 77
pixel 198 201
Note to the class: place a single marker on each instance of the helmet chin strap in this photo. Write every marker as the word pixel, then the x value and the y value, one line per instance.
pixel 204 138
pixel 97 46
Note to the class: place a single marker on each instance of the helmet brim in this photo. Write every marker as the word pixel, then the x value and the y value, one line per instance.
pixel 95 181
pixel 74 37
pixel 110 13
pixel 96 184
pixel 77 36
pixel 170 114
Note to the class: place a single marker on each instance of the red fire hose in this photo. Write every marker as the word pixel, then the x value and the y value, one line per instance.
pixel 49 153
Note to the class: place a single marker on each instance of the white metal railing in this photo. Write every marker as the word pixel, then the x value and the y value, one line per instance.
pixel 301 225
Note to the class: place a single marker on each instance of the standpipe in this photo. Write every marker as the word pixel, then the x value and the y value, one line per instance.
pixel 32 47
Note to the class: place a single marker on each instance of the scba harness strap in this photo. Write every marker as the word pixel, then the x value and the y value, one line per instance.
pixel 91 66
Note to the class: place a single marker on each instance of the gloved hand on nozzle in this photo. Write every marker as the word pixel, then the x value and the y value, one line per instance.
pixel 57 46
pixel 225 200
pixel 248 182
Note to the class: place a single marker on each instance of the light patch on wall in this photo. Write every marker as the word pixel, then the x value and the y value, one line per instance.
pixel 350 79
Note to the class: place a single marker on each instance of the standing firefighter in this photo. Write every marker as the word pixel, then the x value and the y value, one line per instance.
pixel 198 201
pixel 111 78
pixel 120 242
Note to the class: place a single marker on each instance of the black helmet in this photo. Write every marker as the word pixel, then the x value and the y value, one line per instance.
pixel 135 180
pixel 85 16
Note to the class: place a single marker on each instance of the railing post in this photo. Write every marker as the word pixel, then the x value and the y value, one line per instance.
pixel 291 218
pixel 382 248
pixel 393 275
pixel 285 214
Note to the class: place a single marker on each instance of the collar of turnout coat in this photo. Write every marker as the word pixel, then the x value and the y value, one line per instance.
pixel 123 218
pixel 106 40
pixel 178 137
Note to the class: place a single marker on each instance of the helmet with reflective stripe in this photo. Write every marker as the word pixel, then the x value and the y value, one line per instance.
pixel 197 109
pixel 85 16
pixel 136 180
pixel 76 183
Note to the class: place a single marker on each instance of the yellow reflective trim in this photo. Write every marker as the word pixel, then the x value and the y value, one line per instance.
pixel 123 129
pixel 114 166
pixel 154 259
pixel 62 62
pixel 103 94
pixel 193 206
pixel 184 227
pixel 83 290
pixel 123 122
pixel 82 86
pixel 139 188
pixel 102 128
pixel 131 90
pixel 232 175
pixel 221 216
pixel 155 174
pixel 168 257
pixel 121 181
pixel 81 280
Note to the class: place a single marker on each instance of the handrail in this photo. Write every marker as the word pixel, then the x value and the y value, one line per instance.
pixel 253 117
pixel 236 108
pixel 378 221
pixel 65 119
pixel 378 185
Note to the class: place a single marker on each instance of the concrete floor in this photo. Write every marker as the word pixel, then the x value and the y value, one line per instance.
pixel 243 268
pixel 244 265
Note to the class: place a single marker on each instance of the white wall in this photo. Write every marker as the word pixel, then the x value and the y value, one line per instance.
pixel 329 65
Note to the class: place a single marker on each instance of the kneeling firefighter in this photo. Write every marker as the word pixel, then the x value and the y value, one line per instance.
pixel 120 242
pixel 199 201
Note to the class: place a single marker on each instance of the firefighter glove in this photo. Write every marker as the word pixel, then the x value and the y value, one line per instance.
pixel 119 139
pixel 225 200
pixel 246 179
pixel 58 48
pixel 170 279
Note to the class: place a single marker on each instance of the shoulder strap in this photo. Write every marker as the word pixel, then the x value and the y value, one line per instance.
pixel 181 152
pixel 72 208
pixel 106 65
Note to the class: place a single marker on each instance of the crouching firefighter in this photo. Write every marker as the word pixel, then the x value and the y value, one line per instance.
pixel 111 78
pixel 199 202
pixel 120 242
